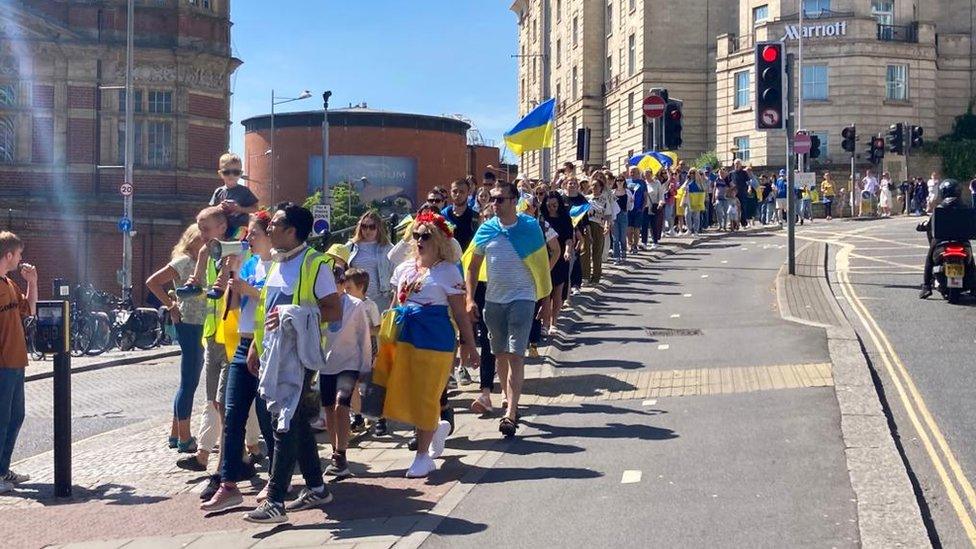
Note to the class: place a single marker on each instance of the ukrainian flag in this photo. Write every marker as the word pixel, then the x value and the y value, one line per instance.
pixel 529 243
pixel 414 360
pixel 577 213
pixel 654 160
pixel 534 131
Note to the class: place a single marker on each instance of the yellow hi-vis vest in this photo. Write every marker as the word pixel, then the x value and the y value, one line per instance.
pixel 213 305
pixel 304 291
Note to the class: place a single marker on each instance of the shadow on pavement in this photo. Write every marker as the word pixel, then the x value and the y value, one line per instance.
pixel 610 430
pixel 589 408
pixel 584 385
pixel 520 446
pixel 110 494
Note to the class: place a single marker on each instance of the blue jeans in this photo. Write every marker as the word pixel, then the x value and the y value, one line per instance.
pixel 509 325
pixel 242 390
pixel 190 338
pixel 619 229
pixel 806 209
pixel 11 412
pixel 693 220
pixel 297 444
pixel 721 213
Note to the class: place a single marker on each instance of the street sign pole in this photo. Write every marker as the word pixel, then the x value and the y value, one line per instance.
pixel 326 196
pixel 125 278
pixel 790 177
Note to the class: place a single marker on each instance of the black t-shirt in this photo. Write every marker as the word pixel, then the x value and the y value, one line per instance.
pixel 741 181
pixel 240 194
pixel 464 225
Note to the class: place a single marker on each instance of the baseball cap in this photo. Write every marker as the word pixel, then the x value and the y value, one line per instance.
pixel 782 172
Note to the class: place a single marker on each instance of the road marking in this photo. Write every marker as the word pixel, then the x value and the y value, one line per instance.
pixel 630 477
pixel 651 402
pixel 912 401
pixel 704 276
pixel 724 261
pixel 885 261
pixel 663 347
pixel 686 295
pixel 676 315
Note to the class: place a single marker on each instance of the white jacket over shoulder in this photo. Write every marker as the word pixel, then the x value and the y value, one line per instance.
pixel 288 351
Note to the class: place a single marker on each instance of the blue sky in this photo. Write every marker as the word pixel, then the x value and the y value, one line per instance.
pixel 429 57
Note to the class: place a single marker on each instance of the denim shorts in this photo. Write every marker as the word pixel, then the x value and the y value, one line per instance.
pixel 509 325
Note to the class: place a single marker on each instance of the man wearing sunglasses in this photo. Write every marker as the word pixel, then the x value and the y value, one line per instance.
pixel 237 201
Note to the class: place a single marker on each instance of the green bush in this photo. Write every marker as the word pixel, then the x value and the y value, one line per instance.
pixel 707 159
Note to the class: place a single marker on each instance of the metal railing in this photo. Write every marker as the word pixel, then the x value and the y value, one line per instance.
pixel 737 43
pixel 611 85
pixel 820 14
pixel 898 33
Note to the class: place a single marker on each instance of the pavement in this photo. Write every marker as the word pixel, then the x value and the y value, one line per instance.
pixel 44 368
pixel 675 407
pixel 920 352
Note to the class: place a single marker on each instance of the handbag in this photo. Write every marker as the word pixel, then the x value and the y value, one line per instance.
pixel 372 398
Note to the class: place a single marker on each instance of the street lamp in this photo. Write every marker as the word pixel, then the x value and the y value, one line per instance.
pixel 279 101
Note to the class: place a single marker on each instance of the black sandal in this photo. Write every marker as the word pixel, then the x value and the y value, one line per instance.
pixel 507 427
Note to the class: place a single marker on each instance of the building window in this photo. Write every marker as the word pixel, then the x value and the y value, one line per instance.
pixel 8 97
pixel 205 4
pixel 606 124
pixel 559 92
pixel 574 130
pixel 136 100
pixel 815 82
pixel 137 150
pixel 559 52
pixel 630 109
pixel 161 102
pixel 160 140
pixel 575 84
pixel 559 10
pixel 741 100
pixel 609 17
pixel 575 31
pixel 535 34
pixel 8 141
pixel 896 83
pixel 631 55
pixel 824 145
pixel 608 73
pixel 816 8
pixel 760 14
pixel 533 70
pixel 632 4
pixel 883 11
pixel 740 146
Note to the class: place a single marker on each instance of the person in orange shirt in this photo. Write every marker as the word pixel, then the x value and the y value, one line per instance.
pixel 14 307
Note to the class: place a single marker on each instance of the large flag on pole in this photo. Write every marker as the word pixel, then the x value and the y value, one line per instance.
pixel 534 131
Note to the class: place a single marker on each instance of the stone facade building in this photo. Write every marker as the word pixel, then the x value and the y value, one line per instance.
pixel 867 62
pixel 57 125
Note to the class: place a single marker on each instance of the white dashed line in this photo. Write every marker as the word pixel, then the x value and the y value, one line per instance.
pixel 630 477
pixel 649 403
pixel 725 261
pixel 704 276
pixel 676 315
pixel 686 295
pixel 663 347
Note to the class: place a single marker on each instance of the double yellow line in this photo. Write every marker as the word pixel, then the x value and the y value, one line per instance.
pixel 943 459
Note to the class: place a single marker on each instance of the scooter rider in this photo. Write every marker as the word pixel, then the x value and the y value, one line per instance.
pixel 949 194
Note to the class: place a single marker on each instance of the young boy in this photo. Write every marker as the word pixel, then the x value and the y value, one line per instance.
pixel 348 360
pixel 356 283
pixel 14 307
pixel 236 202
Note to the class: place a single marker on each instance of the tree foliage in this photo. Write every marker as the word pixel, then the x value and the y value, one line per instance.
pixel 708 158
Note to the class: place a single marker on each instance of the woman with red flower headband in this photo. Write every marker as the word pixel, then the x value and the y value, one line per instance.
pixel 418 340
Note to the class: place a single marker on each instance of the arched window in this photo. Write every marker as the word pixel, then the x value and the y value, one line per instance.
pixel 8 140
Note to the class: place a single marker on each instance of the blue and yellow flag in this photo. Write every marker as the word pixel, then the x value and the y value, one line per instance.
pixel 529 243
pixel 534 131
pixel 578 212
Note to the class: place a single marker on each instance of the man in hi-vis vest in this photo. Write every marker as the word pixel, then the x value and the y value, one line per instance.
pixel 302 277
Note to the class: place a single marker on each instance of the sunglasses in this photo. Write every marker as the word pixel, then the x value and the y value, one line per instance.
pixel 500 199
pixel 423 237
pixel 231 172
pixel 435 200
pixel 370 227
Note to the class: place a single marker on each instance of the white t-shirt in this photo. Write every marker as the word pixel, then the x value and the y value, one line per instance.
pixel 349 344
pixel 933 185
pixel 283 282
pixel 373 312
pixel 430 288
pixel 250 305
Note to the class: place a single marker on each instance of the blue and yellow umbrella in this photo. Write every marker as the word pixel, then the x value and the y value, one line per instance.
pixel 654 160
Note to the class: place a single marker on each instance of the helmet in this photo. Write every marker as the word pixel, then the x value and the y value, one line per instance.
pixel 949 188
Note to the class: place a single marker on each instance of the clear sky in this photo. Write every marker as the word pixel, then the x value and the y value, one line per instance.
pixel 418 56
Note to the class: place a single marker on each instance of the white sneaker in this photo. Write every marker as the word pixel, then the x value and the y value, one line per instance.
pixel 5 486
pixel 654 246
pixel 440 438
pixel 318 424
pixel 422 466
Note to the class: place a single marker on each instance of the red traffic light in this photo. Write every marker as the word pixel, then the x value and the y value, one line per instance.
pixel 675 114
pixel 878 142
pixel 770 53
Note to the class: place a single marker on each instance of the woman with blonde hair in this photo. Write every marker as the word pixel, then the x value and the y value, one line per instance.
pixel 368 250
pixel 418 340
pixel 187 314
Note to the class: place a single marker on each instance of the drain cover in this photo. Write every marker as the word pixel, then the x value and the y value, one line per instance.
pixel 672 332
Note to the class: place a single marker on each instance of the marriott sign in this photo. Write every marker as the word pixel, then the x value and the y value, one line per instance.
pixel 827 30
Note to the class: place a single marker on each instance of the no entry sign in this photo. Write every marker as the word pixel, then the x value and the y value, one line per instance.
pixel 653 106
pixel 801 143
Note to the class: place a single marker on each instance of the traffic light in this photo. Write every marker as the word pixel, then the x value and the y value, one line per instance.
pixel 814 146
pixel 915 137
pixel 876 149
pixel 770 86
pixel 672 125
pixel 850 139
pixel 896 138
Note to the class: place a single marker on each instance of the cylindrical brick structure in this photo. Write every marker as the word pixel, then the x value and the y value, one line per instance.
pixel 400 155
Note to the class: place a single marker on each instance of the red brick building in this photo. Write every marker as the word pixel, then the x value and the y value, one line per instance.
pixel 399 154
pixel 56 126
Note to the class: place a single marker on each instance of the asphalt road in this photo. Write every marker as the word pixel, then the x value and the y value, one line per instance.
pixel 758 469
pixel 931 338
pixel 102 400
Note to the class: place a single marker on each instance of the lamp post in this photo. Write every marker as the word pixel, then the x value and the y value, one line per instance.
pixel 279 101
pixel 326 197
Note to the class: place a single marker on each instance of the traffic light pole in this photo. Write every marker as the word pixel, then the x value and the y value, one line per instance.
pixel 790 176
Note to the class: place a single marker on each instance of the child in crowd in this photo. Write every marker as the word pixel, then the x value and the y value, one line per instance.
pixel 349 359
pixel 356 284
pixel 735 207
pixel 237 202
